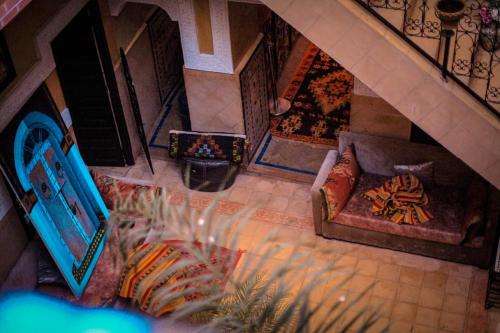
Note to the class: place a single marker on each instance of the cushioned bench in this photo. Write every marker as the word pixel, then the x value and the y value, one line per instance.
pixel 445 236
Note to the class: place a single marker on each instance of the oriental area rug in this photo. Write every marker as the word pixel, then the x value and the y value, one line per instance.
pixel 111 189
pixel 320 93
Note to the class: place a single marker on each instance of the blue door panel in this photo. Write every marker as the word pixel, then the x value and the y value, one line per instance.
pixel 69 213
pixel 74 201
pixel 90 190
pixel 56 213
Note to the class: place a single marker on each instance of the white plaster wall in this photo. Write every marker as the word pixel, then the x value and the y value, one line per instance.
pixel 182 11
pixel 221 61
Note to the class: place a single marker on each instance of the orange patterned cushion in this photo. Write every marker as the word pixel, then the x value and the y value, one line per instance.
pixel 340 183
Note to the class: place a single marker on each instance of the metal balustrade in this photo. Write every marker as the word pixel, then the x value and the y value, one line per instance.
pixel 472 60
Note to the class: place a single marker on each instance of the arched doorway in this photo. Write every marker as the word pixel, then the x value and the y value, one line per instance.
pixel 67 212
pixel 150 38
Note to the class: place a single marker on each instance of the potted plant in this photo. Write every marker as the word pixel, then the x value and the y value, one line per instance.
pixel 450 12
pixel 490 18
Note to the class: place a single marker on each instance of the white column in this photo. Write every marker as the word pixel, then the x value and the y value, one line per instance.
pixel 221 60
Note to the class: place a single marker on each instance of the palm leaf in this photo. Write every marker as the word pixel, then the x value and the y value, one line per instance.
pixel 258 298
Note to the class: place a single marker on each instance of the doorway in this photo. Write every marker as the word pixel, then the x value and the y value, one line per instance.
pixel 314 102
pixel 54 188
pixel 164 36
pixel 89 86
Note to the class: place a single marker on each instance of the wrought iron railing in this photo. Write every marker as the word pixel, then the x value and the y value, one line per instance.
pixel 473 59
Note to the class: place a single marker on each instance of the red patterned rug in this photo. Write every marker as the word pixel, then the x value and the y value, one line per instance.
pixel 320 93
pixel 110 188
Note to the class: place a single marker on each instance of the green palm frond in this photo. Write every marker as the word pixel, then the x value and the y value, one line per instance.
pixel 259 296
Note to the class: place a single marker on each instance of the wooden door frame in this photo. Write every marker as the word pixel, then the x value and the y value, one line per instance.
pixel 93 22
pixel 110 80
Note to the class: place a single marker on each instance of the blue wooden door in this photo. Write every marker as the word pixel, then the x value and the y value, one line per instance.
pixel 69 213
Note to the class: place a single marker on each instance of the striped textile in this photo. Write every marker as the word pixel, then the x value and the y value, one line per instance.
pixel 145 279
pixel 143 276
pixel 401 199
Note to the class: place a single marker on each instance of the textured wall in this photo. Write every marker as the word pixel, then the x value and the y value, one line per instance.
pixel 10 9
pixel 54 86
pixel 372 115
pixel 122 30
pixel 141 64
pixel 214 101
pixel 246 21
pixel 20 31
pixel 12 242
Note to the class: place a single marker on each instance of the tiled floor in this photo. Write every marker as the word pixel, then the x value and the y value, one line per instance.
pixel 416 294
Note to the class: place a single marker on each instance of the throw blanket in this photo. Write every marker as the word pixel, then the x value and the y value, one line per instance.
pixel 401 199
pixel 147 282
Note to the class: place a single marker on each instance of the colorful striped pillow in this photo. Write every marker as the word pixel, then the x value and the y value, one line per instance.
pixel 340 183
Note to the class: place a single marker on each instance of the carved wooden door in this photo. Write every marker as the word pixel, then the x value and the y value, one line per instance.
pixel 257 98
pixel 167 52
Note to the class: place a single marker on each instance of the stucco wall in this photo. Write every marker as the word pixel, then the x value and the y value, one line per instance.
pixel 246 21
pixel 128 30
pixel 372 115
pixel 214 101
pixel 123 30
pixel 19 34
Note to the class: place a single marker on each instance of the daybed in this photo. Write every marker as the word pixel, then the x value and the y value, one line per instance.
pixel 445 236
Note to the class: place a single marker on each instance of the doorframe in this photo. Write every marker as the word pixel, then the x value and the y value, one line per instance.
pixel 110 80
pixel 100 44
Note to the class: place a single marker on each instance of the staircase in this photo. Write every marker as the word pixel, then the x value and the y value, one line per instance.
pixel 468 61
pixel 371 40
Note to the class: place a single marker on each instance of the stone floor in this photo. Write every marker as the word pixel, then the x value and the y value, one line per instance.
pixel 416 294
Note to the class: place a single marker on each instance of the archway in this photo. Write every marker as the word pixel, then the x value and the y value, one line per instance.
pixel 150 38
pixel 68 212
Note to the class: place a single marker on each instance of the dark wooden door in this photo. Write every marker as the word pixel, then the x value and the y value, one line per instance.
pixel 167 52
pixel 257 98
pixel 87 78
pixel 282 37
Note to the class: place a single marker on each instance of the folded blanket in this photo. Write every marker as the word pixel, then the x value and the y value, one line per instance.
pixel 401 199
